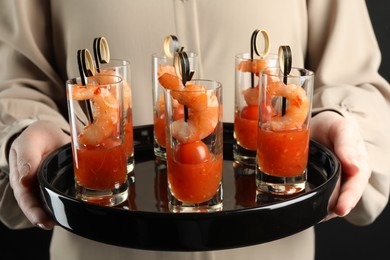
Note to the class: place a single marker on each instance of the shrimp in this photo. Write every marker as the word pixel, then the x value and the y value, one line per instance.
pixel 161 105
pixel 105 113
pixel 251 96
pixel 203 109
pixel 166 69
pixel 297 108
pixel 169 79
pixel 127 100
pixel 254 66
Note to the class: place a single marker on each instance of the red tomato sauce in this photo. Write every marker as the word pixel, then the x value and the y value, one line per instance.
pixel 159 129
pixel 245 127
pixel 283 153
pixel 194 177
pixel 101 168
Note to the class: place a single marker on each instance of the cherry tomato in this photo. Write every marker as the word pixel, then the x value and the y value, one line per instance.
pixel 192 153
pixel 250 113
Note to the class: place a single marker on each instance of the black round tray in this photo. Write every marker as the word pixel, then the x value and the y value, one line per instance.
pixel 144 221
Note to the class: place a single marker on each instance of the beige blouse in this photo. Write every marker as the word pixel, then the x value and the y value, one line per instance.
pixel 38 44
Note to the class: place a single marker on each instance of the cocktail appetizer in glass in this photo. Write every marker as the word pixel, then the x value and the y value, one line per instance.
pixel 194 143
pixel 164 63
pixel 105 65
pixel 247 69
pixel 95 106
pixel 283 130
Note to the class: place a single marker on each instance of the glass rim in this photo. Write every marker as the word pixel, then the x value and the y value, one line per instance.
pixel 125 63
pixel 216 85
pixel 89 79
pixel 161 55
pixel 242 56
pixel 276 72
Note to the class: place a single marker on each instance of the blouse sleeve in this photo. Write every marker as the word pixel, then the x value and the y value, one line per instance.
pixel 30 88
pixel 346 63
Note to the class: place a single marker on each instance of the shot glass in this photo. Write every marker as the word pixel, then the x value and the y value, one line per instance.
pixel 194 147
pixel 285 104
pixel 97 136
pixel 121 68
pixel 164 64
pixel 246 106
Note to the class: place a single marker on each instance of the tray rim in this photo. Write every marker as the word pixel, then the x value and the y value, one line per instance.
pixel 45 186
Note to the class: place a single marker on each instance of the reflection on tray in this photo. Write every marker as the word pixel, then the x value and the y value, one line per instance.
pixel 239 184
pixel 161 186
pixel 245 186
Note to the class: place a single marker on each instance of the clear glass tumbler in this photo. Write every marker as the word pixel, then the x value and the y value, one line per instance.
pixel 163 64
pixel 247 72
pixel 195 147
pixel 283 136
pixel 97 136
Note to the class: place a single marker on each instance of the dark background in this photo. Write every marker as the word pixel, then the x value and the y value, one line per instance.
pixel 380 17
pixel 335 239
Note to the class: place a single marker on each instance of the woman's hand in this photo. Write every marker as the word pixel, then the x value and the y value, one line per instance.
pixel 343 138
pixel 26 153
